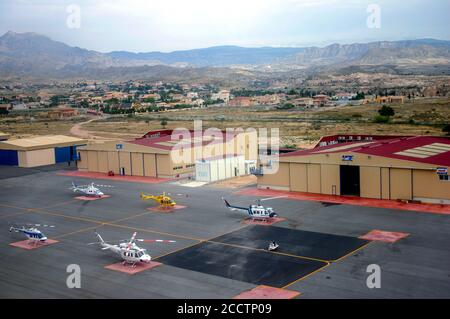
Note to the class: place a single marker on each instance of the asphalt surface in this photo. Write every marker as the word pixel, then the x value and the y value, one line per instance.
pixel 417 266
pixel 327 247
pixel 243 264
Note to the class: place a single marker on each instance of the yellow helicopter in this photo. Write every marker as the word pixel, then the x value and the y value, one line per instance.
pixel 162 199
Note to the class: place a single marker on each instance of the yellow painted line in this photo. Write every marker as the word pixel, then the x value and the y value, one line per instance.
pixel 59 204
pixel 152 231
pixel 202 241
pixel 12 214
pixel 129 217
pixel 270 252
pixel 109 223
pixel 199 240
pixel 351 253
pixel 84 219
pixel 79 231
pixel 328 264
pixel 10 206
pixel 306 276
pixel 177 250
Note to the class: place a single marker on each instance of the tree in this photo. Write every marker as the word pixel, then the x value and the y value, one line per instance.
pixel 164 122
pixel 286 106
pixel 359 96
pixel 84 104
pixel 149 100
pixel 386 111
pixel 446 129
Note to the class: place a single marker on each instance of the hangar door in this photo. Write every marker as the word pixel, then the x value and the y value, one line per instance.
pixel 65 154
pixel 350 180
pixel 9 157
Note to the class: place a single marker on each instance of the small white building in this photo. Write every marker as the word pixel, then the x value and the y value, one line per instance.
pixel 220 167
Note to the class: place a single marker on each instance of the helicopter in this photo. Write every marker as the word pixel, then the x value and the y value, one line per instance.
pixel 162 199
pixel 255 212
pixel 33 234
pixel 128 250
pixel 88 190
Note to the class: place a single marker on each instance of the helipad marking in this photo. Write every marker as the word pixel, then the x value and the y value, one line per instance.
pixel 131 270
pixel 26 244
pixel 267 292
pixel 91 198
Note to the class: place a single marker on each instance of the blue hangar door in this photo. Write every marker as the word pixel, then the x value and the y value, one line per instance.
pixel 65 154
pixel 8 157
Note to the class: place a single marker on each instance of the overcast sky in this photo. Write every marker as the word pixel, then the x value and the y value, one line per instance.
pixel 166 25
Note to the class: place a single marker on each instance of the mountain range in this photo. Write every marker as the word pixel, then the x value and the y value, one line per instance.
pixel 31 55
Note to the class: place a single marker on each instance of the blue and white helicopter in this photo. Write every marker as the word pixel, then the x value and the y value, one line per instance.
pixel 255 212
pixel 33 234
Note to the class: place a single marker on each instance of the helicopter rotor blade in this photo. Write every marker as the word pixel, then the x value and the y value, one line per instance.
pixel 155 240
pixel 41 225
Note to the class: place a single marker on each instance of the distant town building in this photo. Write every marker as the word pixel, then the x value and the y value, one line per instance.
pixel 268 99
pixel 321 100
pixel 62 112
pixel 390 99
pixel 192 95
pixel 154 96
pixel 344 96
pixel 4 136
pixel 223 95
pixel 305 102
pixel 240 101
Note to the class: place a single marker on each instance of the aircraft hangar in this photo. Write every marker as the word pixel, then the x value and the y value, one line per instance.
pixel 155 154
pixel 412 168
pixel 39 150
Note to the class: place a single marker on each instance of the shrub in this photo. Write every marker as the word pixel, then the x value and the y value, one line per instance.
pixel 386 111
pixel 286 106
pixel 381 119
pixel 446 129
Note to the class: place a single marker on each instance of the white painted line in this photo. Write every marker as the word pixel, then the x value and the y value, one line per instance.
pixel 273 198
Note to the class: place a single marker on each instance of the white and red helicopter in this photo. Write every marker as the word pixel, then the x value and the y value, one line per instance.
pixel 128 250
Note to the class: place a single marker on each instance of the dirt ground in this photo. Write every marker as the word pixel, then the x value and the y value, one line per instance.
pixel 296 127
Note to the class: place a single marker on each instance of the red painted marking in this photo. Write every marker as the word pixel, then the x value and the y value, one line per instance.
pixel 270 221
pixel 128 269
pixel 267 292
pixel 163 209
pixel 349 200
pixel 120 178
pixel 384 236
pixel 25 244
pixel 90 198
